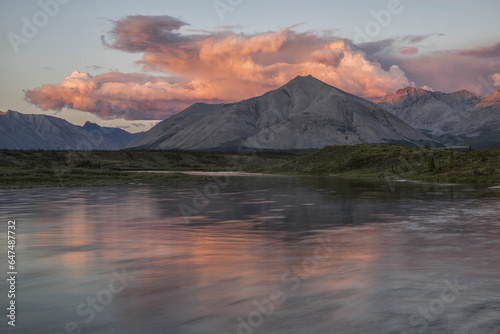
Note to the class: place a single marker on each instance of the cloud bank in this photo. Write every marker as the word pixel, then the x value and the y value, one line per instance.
pixel 444 70
pixel 118 95
pixel 222 66
pixel 211 67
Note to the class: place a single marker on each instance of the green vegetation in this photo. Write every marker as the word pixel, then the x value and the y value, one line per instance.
pixel 78 168
pixel 431 164
pixel 435 165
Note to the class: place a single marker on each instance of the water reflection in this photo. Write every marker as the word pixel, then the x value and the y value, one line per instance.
pixel 342 255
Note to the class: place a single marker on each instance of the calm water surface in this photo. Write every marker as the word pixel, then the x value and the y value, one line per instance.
pixel 265 255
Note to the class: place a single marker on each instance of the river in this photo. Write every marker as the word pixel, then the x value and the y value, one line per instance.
pixel 256 254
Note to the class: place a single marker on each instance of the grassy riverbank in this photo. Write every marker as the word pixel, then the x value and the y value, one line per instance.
pixel 23 169
pixel 435 165
pixel 27 169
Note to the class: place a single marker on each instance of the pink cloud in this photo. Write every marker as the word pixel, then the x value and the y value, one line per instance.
pixel 408 50
pixel 216 67
pixel 223 66
pixel 117 95
pixel 496 79
pixel 448 70
pixel 451 70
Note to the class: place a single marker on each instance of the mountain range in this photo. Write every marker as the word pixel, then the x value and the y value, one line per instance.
pixel 304 114
pixel 26 132
pixel 460 118
pixel 434 113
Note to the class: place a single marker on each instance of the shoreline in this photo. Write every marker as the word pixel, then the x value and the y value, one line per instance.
pixel 203 173
pixel 42 169
pixel 164 177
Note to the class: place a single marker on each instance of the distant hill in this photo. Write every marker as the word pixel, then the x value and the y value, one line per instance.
pixel 26 132
pixel 116 135
pixel 305 114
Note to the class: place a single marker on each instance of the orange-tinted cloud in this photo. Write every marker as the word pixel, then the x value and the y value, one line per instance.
pixel 215 67
pixel 496 79
pixel 408 50
pixel 118 95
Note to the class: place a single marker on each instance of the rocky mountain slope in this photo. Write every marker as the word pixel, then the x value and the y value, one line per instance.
pixel 119 136
pixel 432 113
pixel 168 128
pixel 304 114
pixel 481 125
pixel 458 119
pixel 25 132
pixel 483 119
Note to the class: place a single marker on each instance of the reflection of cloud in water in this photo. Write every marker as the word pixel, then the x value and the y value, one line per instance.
pixel 389 255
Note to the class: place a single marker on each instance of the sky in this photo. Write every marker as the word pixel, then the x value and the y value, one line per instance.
pixel 132 63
